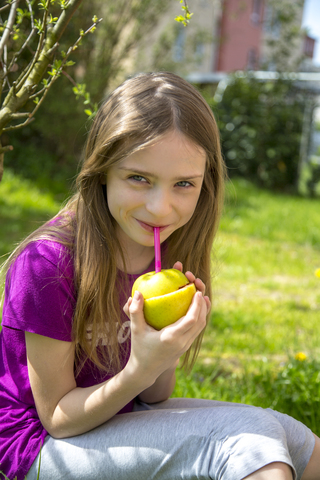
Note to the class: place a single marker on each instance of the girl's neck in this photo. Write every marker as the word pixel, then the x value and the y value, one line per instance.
pixel 137 259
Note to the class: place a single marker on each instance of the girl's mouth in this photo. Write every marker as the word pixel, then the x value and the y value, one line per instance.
pixel 149 228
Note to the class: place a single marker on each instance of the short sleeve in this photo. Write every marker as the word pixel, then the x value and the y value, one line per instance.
pixel 39 291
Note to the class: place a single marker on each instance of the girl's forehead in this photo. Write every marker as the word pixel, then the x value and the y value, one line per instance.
pixel 173 147
pixel 172 167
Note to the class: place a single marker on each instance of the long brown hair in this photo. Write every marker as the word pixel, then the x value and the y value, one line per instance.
pixel 135 115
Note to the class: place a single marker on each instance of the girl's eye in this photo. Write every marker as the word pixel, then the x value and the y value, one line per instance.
pixel 184 184
pixel 138 178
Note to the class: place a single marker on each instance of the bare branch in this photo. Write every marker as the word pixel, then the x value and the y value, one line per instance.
pixel 20 125
pixel 71 80
pixel 31 13
pixel 26 43
pixel 20 115
pixel 7 148
pixel 3 150
pixel 5 7
pixel 39 92
pixel 8 27
pixel 65 18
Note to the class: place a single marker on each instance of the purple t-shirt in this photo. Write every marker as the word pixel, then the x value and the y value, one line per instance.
pixel 39 298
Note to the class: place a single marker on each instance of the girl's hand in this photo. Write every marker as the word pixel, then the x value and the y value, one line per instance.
pixel 200 286
pixel 154 352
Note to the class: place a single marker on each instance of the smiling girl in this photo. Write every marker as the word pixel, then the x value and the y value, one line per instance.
pixel 82 376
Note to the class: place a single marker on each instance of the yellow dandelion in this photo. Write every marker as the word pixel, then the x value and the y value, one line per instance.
pixel 301 356
pixel 317 273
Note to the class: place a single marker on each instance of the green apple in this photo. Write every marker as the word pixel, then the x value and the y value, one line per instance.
pixel 167 296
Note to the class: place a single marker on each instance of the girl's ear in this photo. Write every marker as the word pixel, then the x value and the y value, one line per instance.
pixel 103 179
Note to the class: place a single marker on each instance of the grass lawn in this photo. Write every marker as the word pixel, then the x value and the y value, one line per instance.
pixel 266 306
pixel 266 297
pixel 23 208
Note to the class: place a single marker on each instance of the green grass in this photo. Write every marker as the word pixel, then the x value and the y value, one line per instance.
pixel 266 306
pixel 23 207
pixel 266 298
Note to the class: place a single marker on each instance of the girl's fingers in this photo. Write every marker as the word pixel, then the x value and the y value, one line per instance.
pixel 192 279
pixel 190 276
pixel 126 307
pixel 135 310
pixel 198 283
pixel 178 266
pixel 197 320
pixel 190 320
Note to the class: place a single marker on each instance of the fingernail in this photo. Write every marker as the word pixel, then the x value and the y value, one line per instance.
pixel 136 295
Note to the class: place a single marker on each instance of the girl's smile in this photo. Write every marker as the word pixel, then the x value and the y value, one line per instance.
pixel 158 186
pixel 149 227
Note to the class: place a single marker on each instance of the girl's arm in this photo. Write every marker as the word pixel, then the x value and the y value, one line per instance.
pixel 162 388
pixel 66 410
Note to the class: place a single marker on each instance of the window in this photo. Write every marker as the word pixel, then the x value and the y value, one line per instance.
pixel 256 15
pixel 179 44
pixel 252 59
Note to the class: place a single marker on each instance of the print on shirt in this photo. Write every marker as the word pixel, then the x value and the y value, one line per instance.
pixel 102 338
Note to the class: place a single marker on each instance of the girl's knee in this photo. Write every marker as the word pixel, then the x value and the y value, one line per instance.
pixel 312 471
pixel 275 470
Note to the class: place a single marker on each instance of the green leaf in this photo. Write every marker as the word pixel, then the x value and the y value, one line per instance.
pixel 38 25
pixel 43 5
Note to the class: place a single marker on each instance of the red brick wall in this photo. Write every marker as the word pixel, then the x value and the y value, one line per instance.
pixel 240 35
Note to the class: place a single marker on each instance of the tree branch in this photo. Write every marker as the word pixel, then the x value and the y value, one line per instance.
pixel 8 27
pixel 5 149
pixel 16 100
pixel 5 7
pixel 17 55
pixel 36 56
pixel 20 125
pixel 2 152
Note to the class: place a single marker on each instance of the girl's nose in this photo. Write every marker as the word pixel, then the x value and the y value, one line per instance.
pixel 159 203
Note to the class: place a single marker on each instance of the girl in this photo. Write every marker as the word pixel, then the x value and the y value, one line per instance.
pixel 88 383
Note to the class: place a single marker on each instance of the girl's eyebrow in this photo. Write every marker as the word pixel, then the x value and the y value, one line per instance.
pixel 148 174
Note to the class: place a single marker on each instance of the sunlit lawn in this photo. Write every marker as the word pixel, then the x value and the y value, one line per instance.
pixel 266 297
pixel 266 306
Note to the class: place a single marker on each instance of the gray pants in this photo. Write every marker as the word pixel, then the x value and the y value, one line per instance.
pixel 179 439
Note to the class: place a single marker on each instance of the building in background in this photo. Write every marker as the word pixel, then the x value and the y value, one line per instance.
pixel 251 35
pixel 225 36
pixel 240 35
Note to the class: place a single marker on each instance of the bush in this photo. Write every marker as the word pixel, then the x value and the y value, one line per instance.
pixel 261 126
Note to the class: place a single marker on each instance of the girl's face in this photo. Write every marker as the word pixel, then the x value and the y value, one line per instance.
pixel 158 186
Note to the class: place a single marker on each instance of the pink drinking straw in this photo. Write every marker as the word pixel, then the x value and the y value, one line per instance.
pixel 157 253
